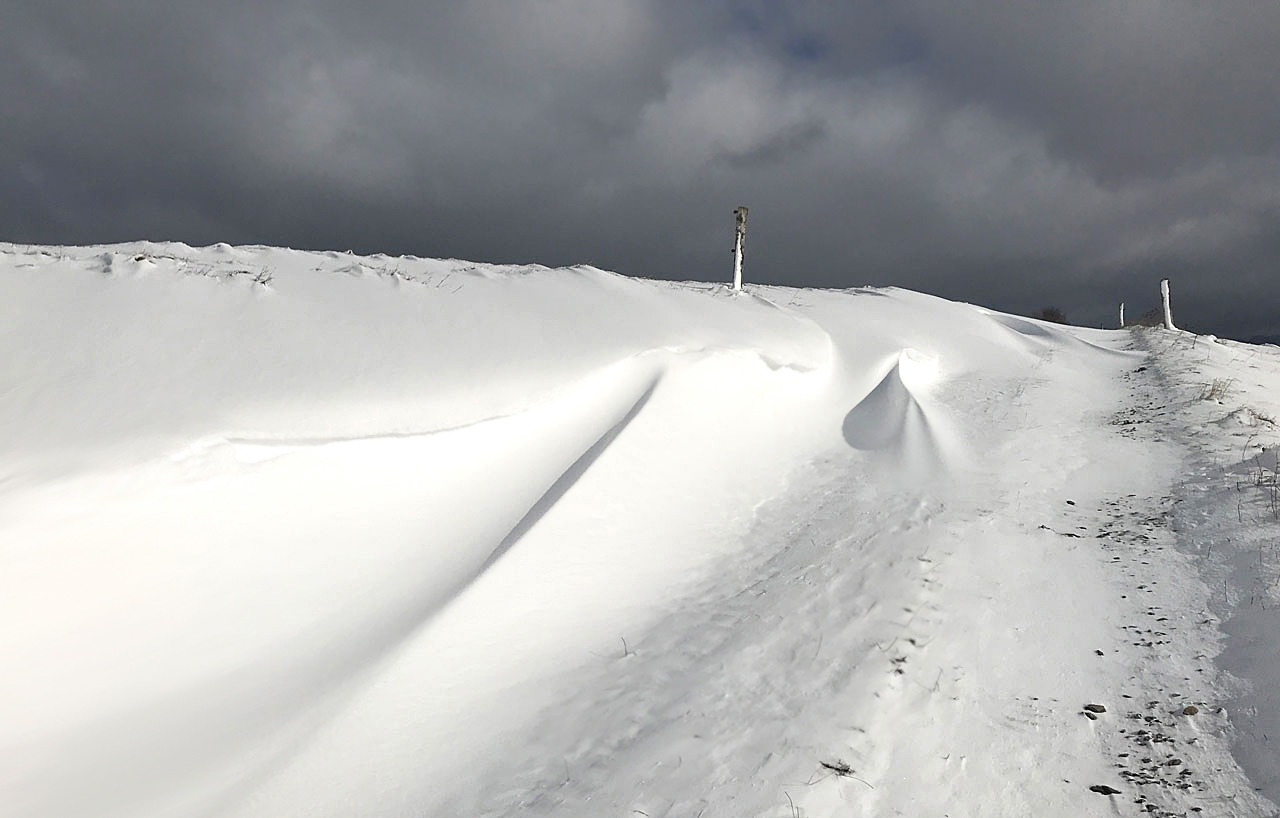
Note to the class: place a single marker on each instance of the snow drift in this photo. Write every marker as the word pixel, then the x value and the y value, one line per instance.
pixel 310 533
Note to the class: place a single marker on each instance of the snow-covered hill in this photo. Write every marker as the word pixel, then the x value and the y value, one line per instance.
pixel 288 533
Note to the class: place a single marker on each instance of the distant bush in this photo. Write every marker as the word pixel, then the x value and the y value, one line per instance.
pixel 1153 317
pixel 1053 314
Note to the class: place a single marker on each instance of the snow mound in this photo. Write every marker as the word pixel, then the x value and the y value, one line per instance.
pixel 891 419
pixel 309 533
pixel 1244 417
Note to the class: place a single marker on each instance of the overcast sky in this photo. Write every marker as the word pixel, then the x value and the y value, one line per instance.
pixel 1013 154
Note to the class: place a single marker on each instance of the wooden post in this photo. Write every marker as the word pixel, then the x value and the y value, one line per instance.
pixel 1164 297
pixel 740 234
pixel 1121 315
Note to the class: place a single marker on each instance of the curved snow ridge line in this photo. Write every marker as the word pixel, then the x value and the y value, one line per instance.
pixel 615 418
pixel 773 362
pixel 249 449
pixel 569 477
pixel 1039 334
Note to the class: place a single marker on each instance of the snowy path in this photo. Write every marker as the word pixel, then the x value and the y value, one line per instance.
pixel 1221 399
pixel 940 643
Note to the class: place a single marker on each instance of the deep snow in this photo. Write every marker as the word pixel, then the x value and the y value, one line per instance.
pixel 289 533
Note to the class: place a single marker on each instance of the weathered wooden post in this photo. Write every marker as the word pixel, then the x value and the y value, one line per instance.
pixel 1164 297
pixel 1121 315
pixel 740 234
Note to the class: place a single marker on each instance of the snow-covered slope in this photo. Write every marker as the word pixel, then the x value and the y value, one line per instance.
pixel 288 533
pixel 1223 398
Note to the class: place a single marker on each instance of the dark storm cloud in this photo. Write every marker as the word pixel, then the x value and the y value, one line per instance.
pixel 1011 154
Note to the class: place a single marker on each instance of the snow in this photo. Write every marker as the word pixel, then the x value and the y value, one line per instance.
pixel 1226 396
pixel 295 533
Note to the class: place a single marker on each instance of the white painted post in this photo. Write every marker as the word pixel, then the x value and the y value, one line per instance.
pixel 1164 297
pixel 1121 315
pixel 740 234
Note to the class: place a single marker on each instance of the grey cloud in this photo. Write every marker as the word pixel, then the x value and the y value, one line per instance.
pixel 1009 154
pixel 792 139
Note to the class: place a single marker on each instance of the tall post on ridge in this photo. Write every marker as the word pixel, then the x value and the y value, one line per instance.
pixel 1121 315
pixel 740 234
pixel 1164 297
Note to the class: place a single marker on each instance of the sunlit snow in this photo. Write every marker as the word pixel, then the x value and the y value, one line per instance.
pixel 291 533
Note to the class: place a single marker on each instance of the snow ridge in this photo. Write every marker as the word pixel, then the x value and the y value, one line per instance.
pixel 293 532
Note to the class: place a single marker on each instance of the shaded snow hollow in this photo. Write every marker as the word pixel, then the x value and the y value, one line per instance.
pixel 290 533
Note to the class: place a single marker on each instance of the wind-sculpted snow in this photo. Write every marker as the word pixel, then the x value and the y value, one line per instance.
pixel 170 344
pixel 295 533
pixel 890 418
pixel 1041 334
pixel 279 478
pixel 351 544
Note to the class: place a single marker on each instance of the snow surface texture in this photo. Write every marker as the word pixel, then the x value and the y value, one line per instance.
pixel 288 533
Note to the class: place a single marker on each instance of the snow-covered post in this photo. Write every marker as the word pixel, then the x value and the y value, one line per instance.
pixel 1121 315
pixel 740 233
pixel 1164 297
